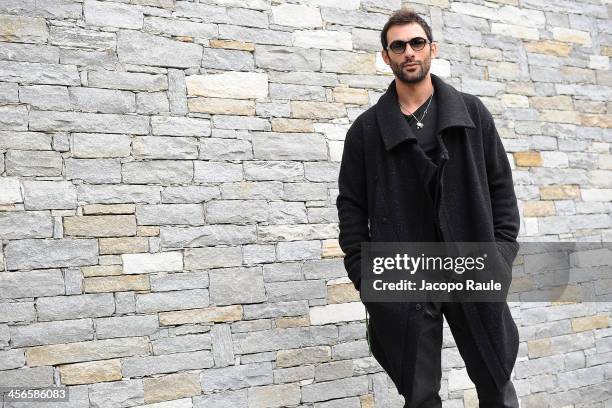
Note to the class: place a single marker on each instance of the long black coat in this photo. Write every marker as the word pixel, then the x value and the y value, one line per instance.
pixel 382 198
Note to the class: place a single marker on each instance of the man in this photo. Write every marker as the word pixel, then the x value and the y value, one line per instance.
pixel 427 164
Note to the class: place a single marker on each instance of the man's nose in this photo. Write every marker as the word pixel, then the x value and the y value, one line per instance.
pixel 409 52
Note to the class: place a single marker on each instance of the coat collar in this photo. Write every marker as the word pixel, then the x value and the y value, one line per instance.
pixel 393 126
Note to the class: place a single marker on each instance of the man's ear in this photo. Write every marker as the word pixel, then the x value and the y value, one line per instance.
pixel 434 49
pixel 385 56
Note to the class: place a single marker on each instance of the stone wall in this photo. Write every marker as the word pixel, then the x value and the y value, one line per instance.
pixel 168 184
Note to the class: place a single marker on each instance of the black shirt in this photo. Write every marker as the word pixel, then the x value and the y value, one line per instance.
pixel 426 137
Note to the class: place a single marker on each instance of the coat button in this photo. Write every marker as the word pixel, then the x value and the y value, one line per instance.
pixel 384 219
pixel 418 306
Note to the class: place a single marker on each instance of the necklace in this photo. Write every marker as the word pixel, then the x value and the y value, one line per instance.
pixel 419 122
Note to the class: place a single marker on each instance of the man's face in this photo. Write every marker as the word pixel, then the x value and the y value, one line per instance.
pixel 421 60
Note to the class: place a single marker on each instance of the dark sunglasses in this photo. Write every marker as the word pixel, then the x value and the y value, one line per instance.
pixel 399 46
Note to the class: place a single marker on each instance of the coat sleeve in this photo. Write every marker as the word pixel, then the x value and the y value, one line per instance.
pixel 352 203
pixel 504 206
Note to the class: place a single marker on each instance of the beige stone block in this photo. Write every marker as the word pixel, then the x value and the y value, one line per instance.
pixel 348 62
pixel 566 293
pixel 147 231
pixel 90 372
pixel 342 293
pixel 121 283
pixel 560 192
pixel 598 321
pixel 602 121
pixel 272 396
pixel 520 87
pixel 559 116
pixel 23 29
pixel 292 125
pixel 317 110
pixel 504 70
pixel 606 50
pixel 549 47
pixel 100 225
pixel 101 270
pixel 538 348
pixel 561 102
pixel 86 351
pixel 571 35
pixel 123 245
pixel 486 53
pixel 351 95
pixel 577 74
pixel 206 315
pixel 367 401
pixel 305 355
pixel 171 387
pixel 521 284
pixel 232 45
pixel 590 106
pixel 538 208
pixel 528 159
pixel 293 321
pixel 331 249
pixel 220 106
pixel 102 209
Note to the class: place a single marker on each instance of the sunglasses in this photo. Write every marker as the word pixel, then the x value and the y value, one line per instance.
pixel 416 43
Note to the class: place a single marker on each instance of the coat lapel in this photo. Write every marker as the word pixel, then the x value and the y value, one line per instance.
pixel 393 126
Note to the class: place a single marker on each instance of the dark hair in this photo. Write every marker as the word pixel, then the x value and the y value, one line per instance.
pixel 402 17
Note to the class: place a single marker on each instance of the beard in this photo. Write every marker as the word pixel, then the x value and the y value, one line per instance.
pixel 411 77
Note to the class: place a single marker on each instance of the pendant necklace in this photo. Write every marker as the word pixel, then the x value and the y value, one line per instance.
pixel 419 122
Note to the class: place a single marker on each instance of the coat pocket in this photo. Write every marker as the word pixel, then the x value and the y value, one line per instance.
pixel 507 253
pixel 505 259
pixel 381 224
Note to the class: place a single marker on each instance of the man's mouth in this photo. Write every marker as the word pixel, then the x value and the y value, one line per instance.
pixel 411 64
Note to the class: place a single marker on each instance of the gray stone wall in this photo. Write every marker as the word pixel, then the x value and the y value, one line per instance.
pixel 168 185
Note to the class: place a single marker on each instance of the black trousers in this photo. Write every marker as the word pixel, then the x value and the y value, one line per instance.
pixel 426 387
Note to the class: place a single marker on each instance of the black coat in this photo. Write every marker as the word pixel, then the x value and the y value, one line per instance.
pixel 382 198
